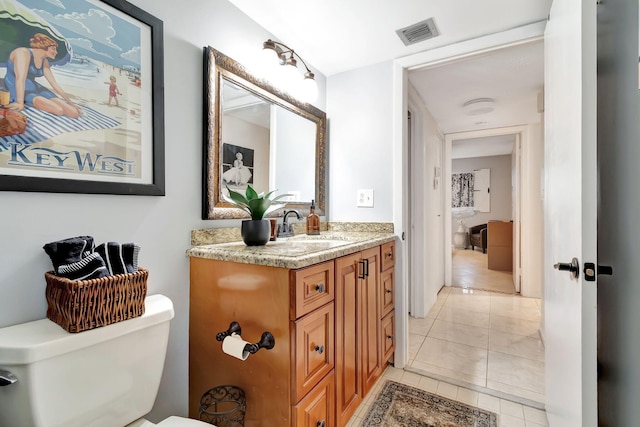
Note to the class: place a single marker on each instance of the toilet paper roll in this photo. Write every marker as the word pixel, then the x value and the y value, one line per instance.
pixel 233 345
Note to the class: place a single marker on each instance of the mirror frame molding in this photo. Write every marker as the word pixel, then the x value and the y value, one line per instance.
pixel 218 66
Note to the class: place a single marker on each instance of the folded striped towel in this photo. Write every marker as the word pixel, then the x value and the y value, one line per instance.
pixel 90 267
pixel 69 251
pixel 119 258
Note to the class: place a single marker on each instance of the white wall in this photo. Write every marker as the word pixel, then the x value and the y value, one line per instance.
pixel 161 225
pixel 531 214
pixel 248 135
pixel 295 145
pixel 359 105
pixel 426 232
pixel 500 186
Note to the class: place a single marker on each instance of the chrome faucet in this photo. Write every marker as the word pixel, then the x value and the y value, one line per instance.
pixel 285 229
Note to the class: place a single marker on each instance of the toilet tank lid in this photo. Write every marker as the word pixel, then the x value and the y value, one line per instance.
pixel 41 339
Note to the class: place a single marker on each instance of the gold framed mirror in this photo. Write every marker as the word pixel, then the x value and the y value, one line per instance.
pixel 256 134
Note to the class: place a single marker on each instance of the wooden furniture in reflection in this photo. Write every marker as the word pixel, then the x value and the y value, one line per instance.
pixel 500 245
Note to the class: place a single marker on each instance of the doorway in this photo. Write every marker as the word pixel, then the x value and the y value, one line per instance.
pixel 454 301
pixel 481 209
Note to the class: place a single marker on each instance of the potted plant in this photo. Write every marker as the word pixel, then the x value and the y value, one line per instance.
pixel 255 231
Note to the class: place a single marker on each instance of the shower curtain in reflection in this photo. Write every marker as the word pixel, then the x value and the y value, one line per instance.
pixel 461 190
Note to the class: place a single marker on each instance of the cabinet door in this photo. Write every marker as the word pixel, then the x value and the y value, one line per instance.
pixel 388 255
pixel 370 319
pixel 314 288
pixel 388 336
pixel 348 367
pixel 316 409
pixel 314 348
pixel 387 290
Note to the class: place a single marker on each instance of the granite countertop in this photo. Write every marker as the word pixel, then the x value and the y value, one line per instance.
pixel 294 252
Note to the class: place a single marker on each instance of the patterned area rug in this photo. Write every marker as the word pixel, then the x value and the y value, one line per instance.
pixel 399 405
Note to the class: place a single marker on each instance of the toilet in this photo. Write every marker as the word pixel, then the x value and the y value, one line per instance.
pixel 103 377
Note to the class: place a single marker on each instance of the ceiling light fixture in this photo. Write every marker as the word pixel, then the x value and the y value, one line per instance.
pixel 287 57
pixel 478 106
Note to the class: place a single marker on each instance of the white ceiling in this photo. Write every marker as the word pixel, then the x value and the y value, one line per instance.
pixel 341 35
pixel 499 145
pixel 513 77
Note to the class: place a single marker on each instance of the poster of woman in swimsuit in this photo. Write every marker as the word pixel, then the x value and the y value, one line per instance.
pixel 86 78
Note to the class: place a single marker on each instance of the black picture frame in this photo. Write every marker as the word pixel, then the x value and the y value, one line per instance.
pixel 153 95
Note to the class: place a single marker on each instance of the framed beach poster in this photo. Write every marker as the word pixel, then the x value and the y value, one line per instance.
pixel 81 97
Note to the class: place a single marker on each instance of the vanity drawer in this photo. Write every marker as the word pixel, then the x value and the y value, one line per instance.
pixel 388 255
pixel 387 291
pixel 388 331
pixel 314 287
pixel 314 349
pixel 317 408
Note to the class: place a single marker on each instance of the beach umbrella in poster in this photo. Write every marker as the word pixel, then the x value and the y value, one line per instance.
pixel 18 24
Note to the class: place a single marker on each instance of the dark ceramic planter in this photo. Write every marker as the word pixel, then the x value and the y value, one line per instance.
pixel 255 232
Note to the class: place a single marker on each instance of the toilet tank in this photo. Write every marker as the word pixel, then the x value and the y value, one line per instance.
pixel 104 377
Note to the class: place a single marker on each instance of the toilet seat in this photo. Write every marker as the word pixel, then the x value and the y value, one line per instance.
pixel 182 422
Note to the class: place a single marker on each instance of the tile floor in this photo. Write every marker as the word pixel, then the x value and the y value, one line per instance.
pixel 485 339
pixel 510 414
pixel 479 344
pixel 469 270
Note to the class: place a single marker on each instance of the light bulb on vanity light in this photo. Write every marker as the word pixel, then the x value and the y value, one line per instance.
pixel 288 75
pixel 309 88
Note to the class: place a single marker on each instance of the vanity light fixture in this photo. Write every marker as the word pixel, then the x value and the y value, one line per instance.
pixel 287 57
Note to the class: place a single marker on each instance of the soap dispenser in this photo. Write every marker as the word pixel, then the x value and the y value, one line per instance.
pixel 313 220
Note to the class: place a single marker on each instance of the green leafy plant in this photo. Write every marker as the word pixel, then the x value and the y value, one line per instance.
pixel 257 205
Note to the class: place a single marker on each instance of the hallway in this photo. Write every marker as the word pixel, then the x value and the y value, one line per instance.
pixel 469 270
pixel 485 341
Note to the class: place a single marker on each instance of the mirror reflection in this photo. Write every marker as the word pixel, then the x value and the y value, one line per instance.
pixel 264 145
pixel 260 136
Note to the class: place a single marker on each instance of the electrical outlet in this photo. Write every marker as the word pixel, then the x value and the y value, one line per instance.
pixel 365 199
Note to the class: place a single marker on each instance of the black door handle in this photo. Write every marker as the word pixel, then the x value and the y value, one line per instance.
pixel 361 264
pixel 573 267
pixel 591 270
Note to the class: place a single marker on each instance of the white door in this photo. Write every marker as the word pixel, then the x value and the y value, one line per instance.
pixel 482 190
pixel 570 213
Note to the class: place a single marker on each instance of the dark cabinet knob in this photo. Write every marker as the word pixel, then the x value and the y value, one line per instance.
pixel 390 337
pixel 319 349
pixel 388 291
pixel 319 287
pixel 320 423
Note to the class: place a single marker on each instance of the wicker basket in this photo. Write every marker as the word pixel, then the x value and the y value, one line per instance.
pixel 86 304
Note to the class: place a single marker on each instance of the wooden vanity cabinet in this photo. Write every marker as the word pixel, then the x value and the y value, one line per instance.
pixel 313 350
pixel 296 306
pixel 387 304
pixel 358 346
pixel 317 408
pixel 329 320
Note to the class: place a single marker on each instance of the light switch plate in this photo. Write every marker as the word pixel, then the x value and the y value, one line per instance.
pixel 365 199
pixel 294 196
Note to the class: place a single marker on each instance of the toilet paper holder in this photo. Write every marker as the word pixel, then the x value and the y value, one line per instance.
pixel 267 340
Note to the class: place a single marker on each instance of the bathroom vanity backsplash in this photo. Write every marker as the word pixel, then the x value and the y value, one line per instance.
pixel 211 236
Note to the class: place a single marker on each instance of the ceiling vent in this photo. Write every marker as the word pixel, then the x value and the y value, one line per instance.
pixel 415 33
